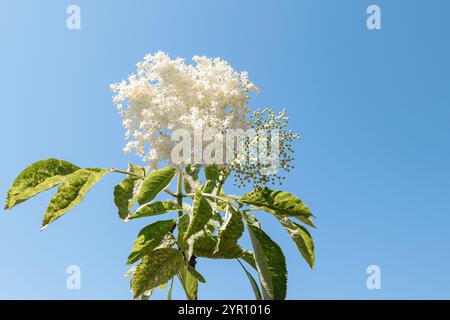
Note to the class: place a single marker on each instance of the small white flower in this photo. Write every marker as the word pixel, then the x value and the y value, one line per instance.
pixel 167 94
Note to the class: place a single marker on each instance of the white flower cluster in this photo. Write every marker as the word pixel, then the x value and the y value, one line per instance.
pixel 168 94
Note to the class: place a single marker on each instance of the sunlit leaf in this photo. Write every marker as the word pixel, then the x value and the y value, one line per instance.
pixel 203 244
pixel 191 179
pixel 200 214
pixel 301 237
pixel 278 202
pixel 156 269
pixel 270 262
pixel 188 282
pixel 155 182
pixel 155 208
pixel 196 274
pixel 124 194
pixel 39 176
pixel 149 238
pixel 252 281
pixel 72 192
pixel 231 230
pixel 212 174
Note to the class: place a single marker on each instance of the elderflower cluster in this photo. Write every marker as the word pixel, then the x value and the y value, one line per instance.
pixel 168 94
pixel 268 151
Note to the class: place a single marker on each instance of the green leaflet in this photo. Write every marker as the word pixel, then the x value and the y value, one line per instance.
pixel 270 262
pixel 71 192
pixel 39 176
pixel 149 238
pixel 203 244
pixel 199 216
pixel 212 175
pixel 153 209
pixel 156 269
pixel 252 281
pixel 191 180
pixel 197 275
pixel 248 257
pixel 278 202
pixel 231 230
pixel 188 282
pixel 306 220
pixel 301 237
pixel 154 183
pixel 124 193
pixel 183 223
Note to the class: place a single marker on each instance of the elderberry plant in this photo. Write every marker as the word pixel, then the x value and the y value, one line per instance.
pixel 163 96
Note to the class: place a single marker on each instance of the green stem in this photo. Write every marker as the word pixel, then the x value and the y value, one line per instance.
pixel 170 192
pixel 212 196
pixel 179 194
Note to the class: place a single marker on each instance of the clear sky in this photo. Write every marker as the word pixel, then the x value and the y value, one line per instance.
pixel 372 107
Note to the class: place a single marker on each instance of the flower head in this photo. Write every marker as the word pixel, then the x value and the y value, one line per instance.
pixel 267 151
pixel 168 94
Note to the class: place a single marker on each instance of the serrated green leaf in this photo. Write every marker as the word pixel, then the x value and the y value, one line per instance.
pixel 149 238
pixel 270 262
pixel 155 182
pixel 197 275
pixel 200 214
pixel 231 230
pixel 72 192
pixel 38 177
pixel 212 175
pixel 153 209
pixel 301 237
pixel 252 281
pixel 248 257
pixel 183 223
pixel 203 244
pixel 278 202
pixel 156 269
pixel 306 220
pixel 188 282
pixel 123 195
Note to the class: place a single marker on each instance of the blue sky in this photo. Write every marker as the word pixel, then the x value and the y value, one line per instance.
pixel 372 108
